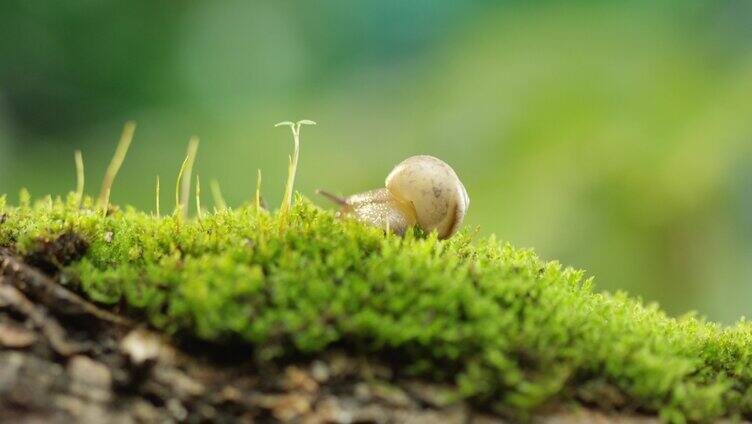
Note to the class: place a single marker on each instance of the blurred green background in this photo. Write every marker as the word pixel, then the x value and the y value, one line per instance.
pixel 614 137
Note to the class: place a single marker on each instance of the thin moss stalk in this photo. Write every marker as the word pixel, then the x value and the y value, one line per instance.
pixel 219 200
pixel 117 161
pixel 106 204
pixel 257 198
pixel 198 197
pixel 182 192
pixel 79 159
pixel 185 190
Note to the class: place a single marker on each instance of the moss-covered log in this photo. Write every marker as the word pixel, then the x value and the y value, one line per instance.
pixel 503 330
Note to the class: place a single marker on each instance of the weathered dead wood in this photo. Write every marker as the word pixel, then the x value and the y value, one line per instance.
pixel 50 328
pixel 54 296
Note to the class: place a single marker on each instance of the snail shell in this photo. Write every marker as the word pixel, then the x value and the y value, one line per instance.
pixel 421 190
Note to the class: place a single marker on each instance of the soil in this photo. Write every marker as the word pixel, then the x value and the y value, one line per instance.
pixel 64 359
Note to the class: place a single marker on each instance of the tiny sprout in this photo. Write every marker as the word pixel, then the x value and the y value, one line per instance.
pixel 293 163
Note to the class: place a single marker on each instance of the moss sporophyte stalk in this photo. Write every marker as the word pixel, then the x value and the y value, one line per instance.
pixel 510 332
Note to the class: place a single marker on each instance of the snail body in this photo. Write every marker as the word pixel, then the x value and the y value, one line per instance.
pixel 421 190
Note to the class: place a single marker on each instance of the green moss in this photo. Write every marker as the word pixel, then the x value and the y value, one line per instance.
pixel 512 331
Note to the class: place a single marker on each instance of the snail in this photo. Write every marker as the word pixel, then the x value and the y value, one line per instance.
pixel 421 190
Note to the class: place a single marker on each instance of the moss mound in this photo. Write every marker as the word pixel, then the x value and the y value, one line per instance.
pixel 514 333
